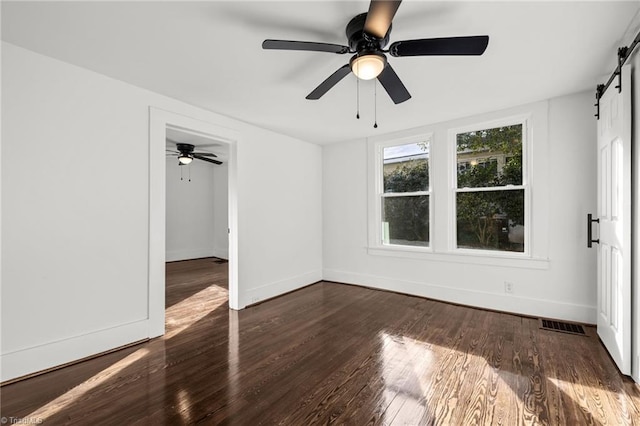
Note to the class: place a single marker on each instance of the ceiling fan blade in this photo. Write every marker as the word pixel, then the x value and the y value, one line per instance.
pixel 393 85
pixel 379 17
pixel 472 45
pixel 210 160
pixel 205 154
pixel 304 45
pixel 331 81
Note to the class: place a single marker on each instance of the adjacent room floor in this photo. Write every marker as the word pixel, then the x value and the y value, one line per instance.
pixel 333 353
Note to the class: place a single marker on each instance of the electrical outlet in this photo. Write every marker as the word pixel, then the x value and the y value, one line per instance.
pixel 508 287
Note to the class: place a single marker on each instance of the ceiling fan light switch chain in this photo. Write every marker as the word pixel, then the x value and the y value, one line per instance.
pixel 375 104
pixel 358 98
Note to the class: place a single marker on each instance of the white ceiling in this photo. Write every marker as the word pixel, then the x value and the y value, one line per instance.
pixel 209 54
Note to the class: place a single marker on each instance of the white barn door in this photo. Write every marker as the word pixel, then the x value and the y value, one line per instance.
pixel 614 213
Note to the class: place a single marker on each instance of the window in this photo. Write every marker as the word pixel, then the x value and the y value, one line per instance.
pixel 404 195
pixel 490 190
pixel 461 193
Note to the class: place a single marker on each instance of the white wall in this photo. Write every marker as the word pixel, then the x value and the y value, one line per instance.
pixel 197 217
pixel 282 220
pixel 75 214
pixel 559 282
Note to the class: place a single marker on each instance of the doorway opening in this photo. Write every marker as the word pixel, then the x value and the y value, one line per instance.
pixel 197 238
pixel 190 220
pixel 197 204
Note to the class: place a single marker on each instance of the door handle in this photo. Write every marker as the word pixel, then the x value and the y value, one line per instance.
pixel 590 239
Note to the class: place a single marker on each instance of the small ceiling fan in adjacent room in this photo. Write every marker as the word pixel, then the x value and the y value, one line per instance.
pixel 367 35
pixel 186 154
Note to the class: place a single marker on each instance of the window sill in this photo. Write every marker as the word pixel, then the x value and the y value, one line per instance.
pixel 466 257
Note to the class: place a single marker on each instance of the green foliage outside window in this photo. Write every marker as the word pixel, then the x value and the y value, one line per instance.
pixel 407 217
pixel 411 176
pixel 486 218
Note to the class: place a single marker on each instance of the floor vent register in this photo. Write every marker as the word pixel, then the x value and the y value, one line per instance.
pixel 562 327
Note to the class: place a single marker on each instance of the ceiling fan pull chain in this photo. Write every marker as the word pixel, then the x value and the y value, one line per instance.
pixel 189 172
pixel 181 173
pixel 375 105
pixel 357 98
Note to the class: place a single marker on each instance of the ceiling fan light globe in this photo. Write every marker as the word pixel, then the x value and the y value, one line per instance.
pixel 368 66
pixel 185 159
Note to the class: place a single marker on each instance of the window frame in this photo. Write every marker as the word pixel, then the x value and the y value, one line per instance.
pixel 376 235
pixel 524 121
pixel 536 157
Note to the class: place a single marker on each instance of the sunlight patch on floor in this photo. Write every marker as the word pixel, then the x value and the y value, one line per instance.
pixel 74 394
pixel 206 300
pixel 411 370
pixel 405 371
pixel 590 399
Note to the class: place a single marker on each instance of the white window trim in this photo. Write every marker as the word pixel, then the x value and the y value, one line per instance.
pixel 524 120
pixel 537 153
pixel 375 203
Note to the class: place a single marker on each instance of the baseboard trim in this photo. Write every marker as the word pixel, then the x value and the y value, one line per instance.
pixel 284 294
pixel 175 255
pixel 278 288
pixel 221 253
pixel 36 359
pixel 492 301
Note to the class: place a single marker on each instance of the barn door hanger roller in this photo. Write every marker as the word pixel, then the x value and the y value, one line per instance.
pixel 623 54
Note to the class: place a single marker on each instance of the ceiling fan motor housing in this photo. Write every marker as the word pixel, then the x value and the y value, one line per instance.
pixel 359 41
pixel 185 148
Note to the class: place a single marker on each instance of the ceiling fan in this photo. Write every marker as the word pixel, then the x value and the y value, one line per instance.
pixel 185 153
pixel 368 34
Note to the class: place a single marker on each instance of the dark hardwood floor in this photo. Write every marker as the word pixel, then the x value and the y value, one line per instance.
pixel 333 353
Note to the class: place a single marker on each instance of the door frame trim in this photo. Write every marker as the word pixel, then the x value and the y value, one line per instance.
pixel 159 120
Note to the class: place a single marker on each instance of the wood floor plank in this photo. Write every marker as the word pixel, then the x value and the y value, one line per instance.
pixel 332 353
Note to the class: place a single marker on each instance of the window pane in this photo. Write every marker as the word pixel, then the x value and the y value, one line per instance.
pixel 405 220
pixel 491 220
pixel 406 167
pixel 491 157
